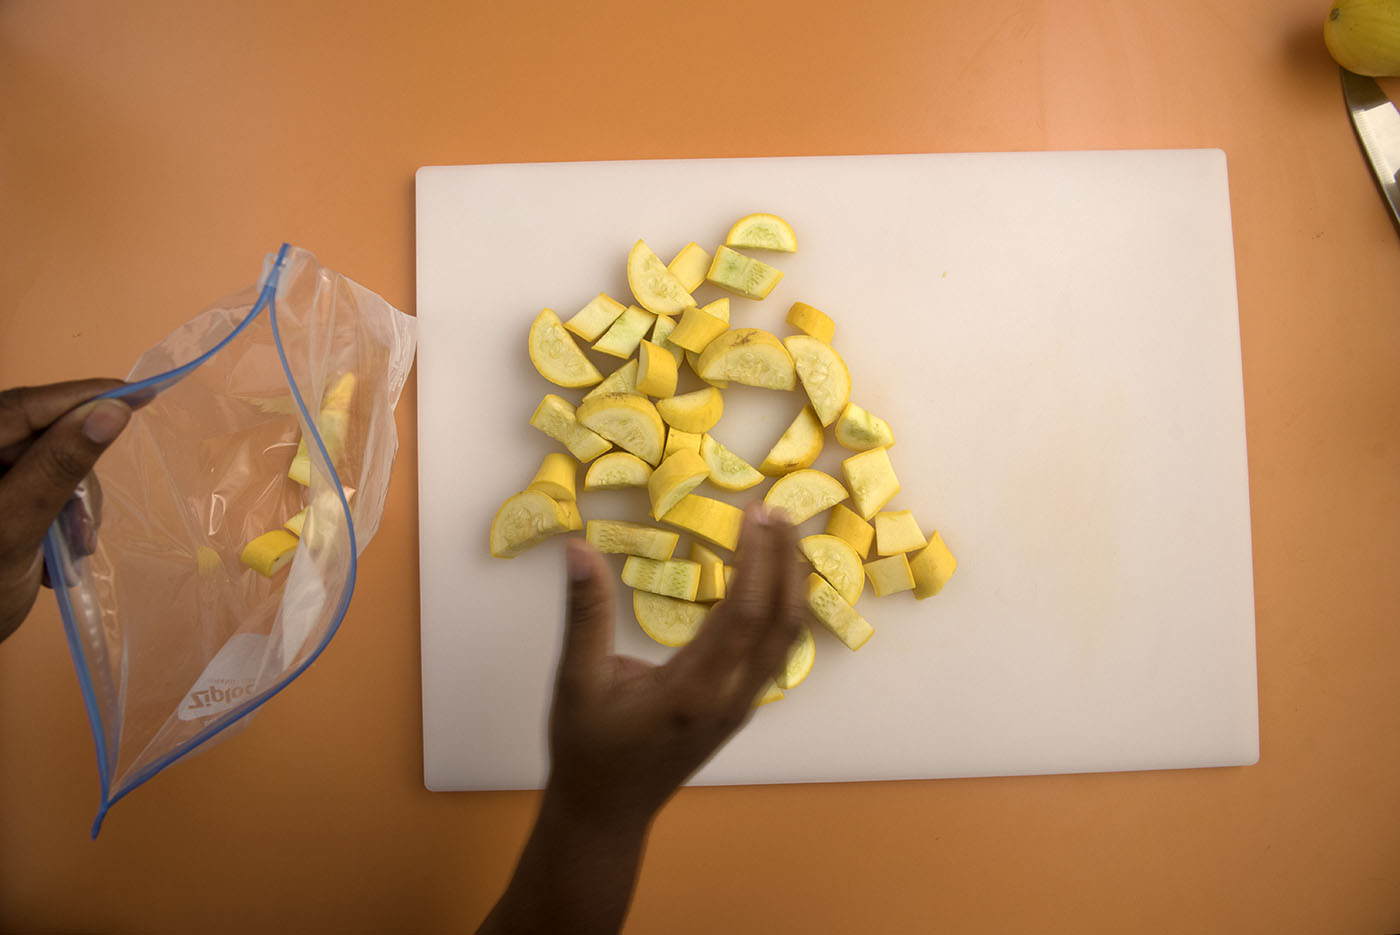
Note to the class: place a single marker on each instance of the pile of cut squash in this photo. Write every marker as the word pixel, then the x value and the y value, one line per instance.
pixel 633 430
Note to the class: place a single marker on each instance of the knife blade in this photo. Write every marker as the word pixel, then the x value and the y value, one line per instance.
pixel 1377 125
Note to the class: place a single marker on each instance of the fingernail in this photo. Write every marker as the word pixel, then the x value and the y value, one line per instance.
pixel 106 421
pixel 777 517
pixel 576 561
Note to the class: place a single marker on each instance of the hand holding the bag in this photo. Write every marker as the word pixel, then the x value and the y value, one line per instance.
pixel 50 438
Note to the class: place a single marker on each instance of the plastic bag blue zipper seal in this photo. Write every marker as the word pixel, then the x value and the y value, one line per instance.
pixel 267 298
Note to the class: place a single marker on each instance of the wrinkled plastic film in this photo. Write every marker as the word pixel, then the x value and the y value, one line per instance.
pixel 175 641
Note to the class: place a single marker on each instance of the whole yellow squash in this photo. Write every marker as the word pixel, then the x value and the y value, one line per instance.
pixel 1364 36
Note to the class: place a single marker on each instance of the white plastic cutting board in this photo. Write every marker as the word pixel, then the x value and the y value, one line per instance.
pixel 1054 338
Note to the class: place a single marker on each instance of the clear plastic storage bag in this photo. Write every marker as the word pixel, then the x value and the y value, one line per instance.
pixel 175 640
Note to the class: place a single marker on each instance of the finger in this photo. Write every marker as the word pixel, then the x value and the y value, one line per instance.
pixel 588 617
pixel 27 411
pixel 790 615
pixel 774 637
pixel 737 623
pixel 34 491
pixel 19 586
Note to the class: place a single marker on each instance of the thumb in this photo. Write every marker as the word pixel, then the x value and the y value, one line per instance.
pixel 34 490
pixel 588 616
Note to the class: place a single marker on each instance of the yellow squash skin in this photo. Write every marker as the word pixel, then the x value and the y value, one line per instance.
pixel 1364 36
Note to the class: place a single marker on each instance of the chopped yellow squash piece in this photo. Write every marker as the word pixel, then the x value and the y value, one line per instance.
pixel 271 552
pixel 333 425
pixel 932 567
pixel 871 479
pixel 661 335
pixel 677 476
pixel 557 418
pixel 835 614
pixel 557 477
pixel 677 577
pixel 750 356
pixel 762 232
pixel 656 370
pixel 823 374
pixel 719 308
pixel 573 519
pixel 295 523
pixel 525 520
pixel 837 562
pixel 695 412
pixel 769 693
pixel 803 494
pixel 631 422
pixel 669 621
pixel 799 660
pixel 811 321
pixel 744 276
pixel 712 520
pixel 621 380
pixel 623 336
pixel 890 575
pixel 617 470
pixel 690 266
pixel 728 471
pixel 846 525
pixel 677 440
pixel 697 329
pixel 798 447
pixel 655 288
pixel 596 317
pixel 615 537
pixel 556 356
pixel 859 430
pixel 712 582
pixel 897 531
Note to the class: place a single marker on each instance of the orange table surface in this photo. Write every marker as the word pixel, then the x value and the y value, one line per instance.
pixel 151 153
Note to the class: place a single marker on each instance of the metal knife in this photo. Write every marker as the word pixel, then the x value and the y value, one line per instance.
pixel 1377 124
